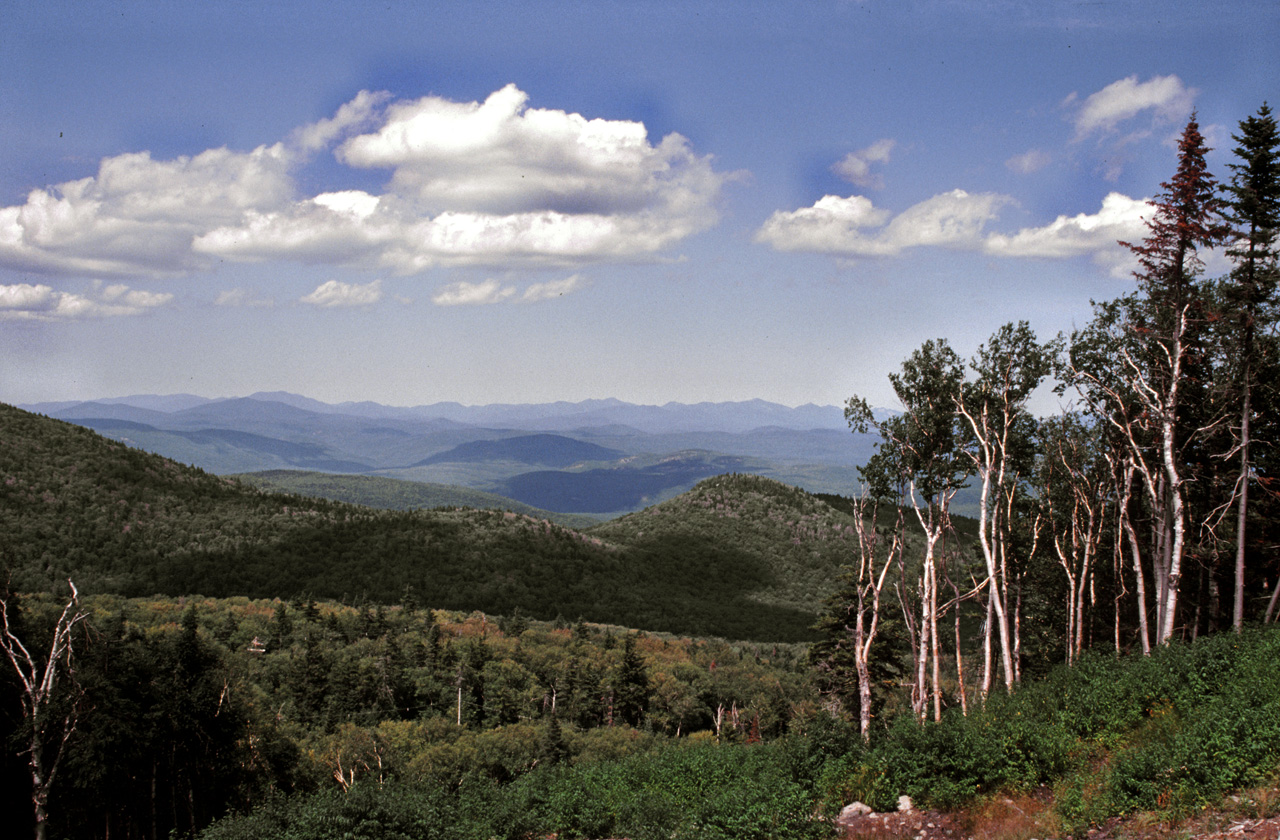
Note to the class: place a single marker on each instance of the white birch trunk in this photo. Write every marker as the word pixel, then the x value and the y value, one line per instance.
pixel 39 685
pixel 1177 514
pixel 1242 513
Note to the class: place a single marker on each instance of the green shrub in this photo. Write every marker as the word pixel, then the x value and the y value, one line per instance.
pixel 1166 733
pixel 366 812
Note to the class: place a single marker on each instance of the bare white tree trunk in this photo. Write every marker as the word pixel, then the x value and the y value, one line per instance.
pixel 1177 513
pixel 1242 514
pixel 1076 532
pixel 1140 583
pixel 867 612
pixel 989 459
pixel 920 692
pixel 1159 403
pixel 1271 605
pixel 40 690
pixel 1069 568
pixel 933 521
pixel 985 687
pixel 936 672
pixel 964 700
pixel 1117 574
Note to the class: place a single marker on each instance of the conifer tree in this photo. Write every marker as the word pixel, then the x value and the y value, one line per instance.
pixel 632 689
pixel 1187 218
pixel 1253 208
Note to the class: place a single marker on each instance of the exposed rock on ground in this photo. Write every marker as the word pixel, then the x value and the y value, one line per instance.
pixel 918 825
pixel 1031 819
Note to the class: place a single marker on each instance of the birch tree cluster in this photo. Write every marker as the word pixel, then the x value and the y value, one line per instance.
pixel 1145 511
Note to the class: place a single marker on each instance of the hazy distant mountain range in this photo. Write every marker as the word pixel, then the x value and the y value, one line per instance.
pixel 557 416
pixel 597 456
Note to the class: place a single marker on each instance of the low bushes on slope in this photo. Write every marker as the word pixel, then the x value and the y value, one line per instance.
pixel 1171 732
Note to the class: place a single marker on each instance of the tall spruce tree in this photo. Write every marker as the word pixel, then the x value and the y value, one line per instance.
pixel 631 689
pixel 1187 218
pixel 1253 208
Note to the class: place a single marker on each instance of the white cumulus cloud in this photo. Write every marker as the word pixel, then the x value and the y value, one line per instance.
pixel 478 183
pixel 40 302
pixel 335 293
pixel 500 156
pixel 472 294
pixel 491 291
pixel 832 225
pixel 552 289
pixel 351 117
pixel 1165 98
pixel 25 297
pixel 138 215
pixel 491 183
pixel 855 167
pixel 855 227
pixel 1096 235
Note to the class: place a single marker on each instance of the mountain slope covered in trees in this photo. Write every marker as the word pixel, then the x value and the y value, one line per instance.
pixel 73 504
pixel 396 494
pixel 572 458
pixel 802 538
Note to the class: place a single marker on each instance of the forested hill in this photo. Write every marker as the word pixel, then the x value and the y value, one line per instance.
pixel 397 494
pixel 801 539
pixel 73 504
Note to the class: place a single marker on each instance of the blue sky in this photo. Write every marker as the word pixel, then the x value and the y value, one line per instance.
pixel 519 202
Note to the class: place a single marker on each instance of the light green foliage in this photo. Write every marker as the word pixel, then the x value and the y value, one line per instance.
pixel 251 698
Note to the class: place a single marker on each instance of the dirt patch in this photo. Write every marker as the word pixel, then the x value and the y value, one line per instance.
pixel 1211 827
pixel 925 825
pixel 1032 818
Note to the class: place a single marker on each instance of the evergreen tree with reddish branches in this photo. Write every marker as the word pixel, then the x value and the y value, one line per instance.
pixel 1188 216
pixel 1166 315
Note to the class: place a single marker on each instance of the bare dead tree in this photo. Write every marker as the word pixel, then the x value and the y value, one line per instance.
pixel 866 607
pixel 50 698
